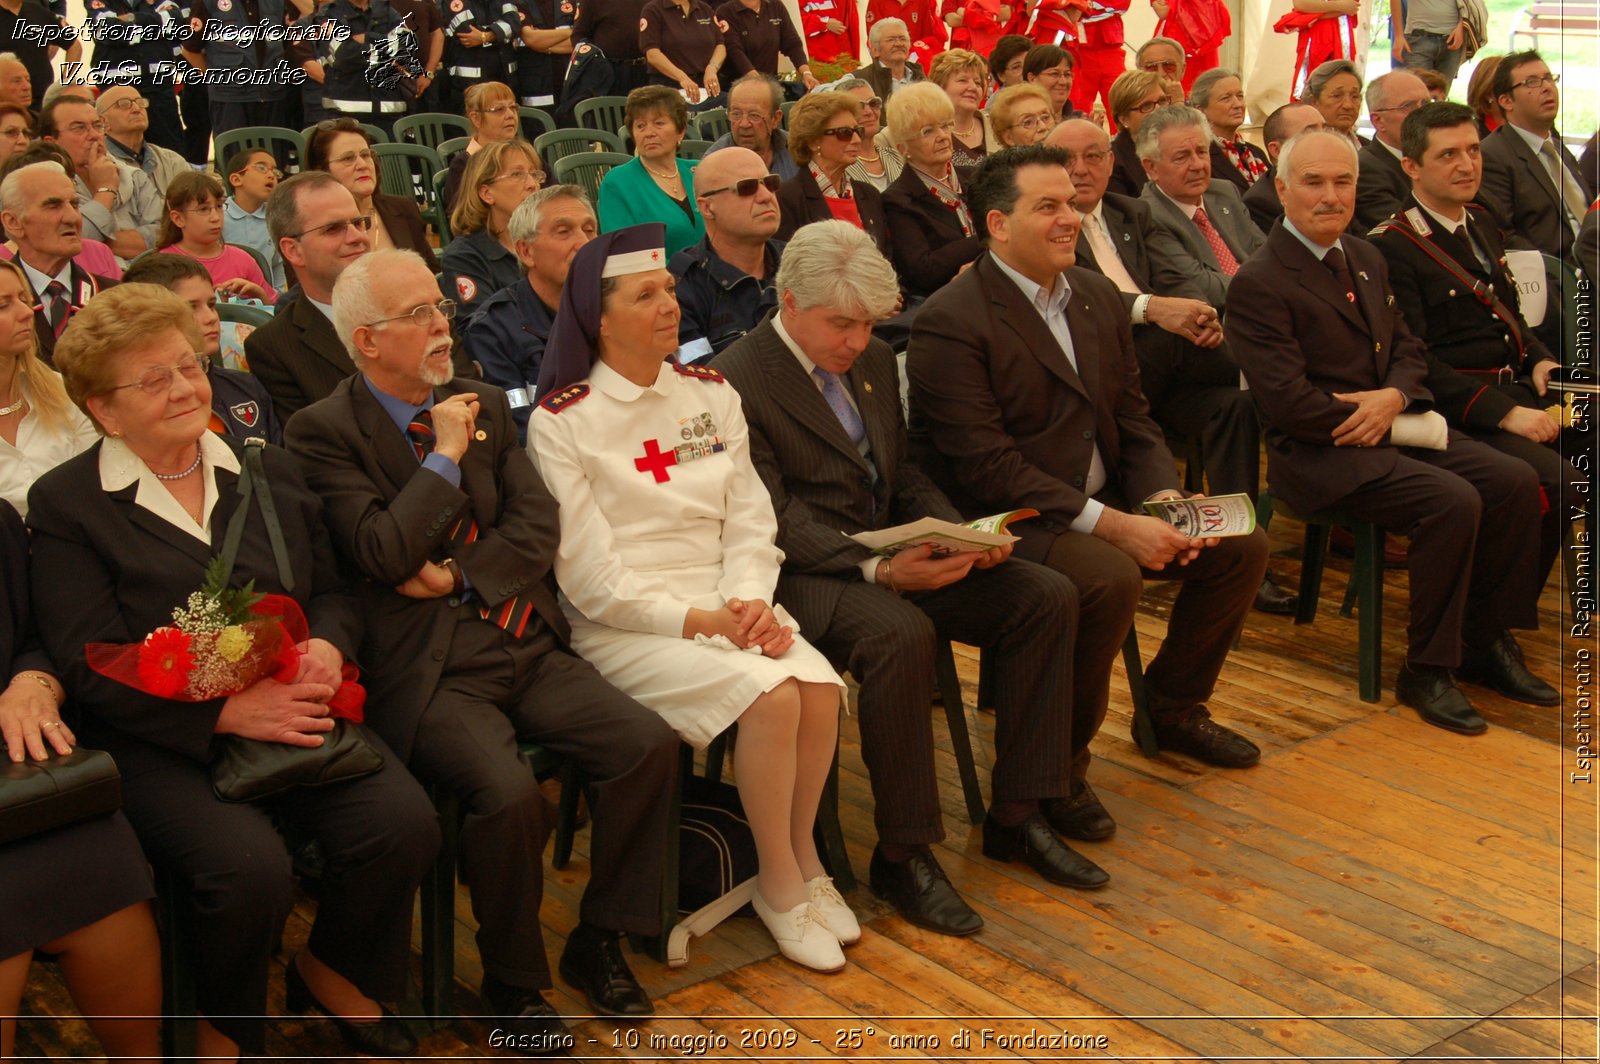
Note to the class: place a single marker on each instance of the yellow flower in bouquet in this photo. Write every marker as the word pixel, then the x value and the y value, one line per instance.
pixel 234 642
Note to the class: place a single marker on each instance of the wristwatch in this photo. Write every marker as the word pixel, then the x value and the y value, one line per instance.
pixel 457 582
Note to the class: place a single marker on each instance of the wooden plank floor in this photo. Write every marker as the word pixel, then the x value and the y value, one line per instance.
pixel 1375 889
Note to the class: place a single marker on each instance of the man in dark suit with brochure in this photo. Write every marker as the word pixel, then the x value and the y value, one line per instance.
pixel 1024 378
pixel 822 400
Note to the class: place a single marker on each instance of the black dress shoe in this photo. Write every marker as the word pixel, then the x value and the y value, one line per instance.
pixel 1196 734
pixel 1033 843
pixel 527 1022
pixel 593 962
pixel 1270 598
pixel 1432 692
pixel 1499 667
pixel 918 889
pixel 386 1036
pixel 1080 817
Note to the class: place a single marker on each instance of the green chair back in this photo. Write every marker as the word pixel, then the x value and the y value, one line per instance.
pixel 693 149
pixel 557 143
pixel 535 122
pixel 447 149
pixel 286 145
pixel 710 124
pixel 376 134
pixel 587 168
pixel 602 112
pixel 442 222
pixel 431 130
pixel 407 170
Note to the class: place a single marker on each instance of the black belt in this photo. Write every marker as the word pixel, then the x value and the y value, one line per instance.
pixel 1503 375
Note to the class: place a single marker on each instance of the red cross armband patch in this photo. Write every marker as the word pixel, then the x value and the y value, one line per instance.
pixel 556 402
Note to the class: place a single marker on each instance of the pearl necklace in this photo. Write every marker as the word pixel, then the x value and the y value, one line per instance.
pixel 186 472
pixel 673 176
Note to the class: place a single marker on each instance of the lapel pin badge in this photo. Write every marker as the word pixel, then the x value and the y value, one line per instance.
pixel 480 435
pixel 866 386
pixel 1363 275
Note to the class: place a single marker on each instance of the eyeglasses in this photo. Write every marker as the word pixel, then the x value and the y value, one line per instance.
pixel 128 103
pixel 157 382
pixel 747 187
pixel 263 168
pixel 749 116
pixel 1093 157
pixel 943 127
pixel 876 103
pixel 524 176
pixel 844 134
pixel 498 109
pixel 1147 106
pixel 214 208
pixel 337 229
pixel 78 129
pixel 1169 67
pixel 1538 79
pixel 1031 123
pixel 1404 108
pixel 422 315
pixel 348 158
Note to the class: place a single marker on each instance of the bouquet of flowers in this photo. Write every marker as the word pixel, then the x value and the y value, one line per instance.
pixel 221 641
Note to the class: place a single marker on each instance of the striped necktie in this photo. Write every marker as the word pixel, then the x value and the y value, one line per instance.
pixel 59 308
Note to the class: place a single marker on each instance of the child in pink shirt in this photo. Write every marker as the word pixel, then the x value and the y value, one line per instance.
pixel 193 227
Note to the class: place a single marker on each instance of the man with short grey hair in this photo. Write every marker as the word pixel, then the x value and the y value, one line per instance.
pixel 1383 183
pixel 1161 55
pixel 822 400
pixel 506 336
pixel 1201 222
pixel 755 121
pixel 16 87
pixel 889 41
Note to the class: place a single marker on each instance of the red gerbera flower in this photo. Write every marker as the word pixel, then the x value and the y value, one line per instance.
pixel 165 662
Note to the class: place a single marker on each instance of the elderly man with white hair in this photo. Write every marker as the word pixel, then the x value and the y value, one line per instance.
pixel 821 397
pixel 891 68
pixel 1382 184
pixel 1339 380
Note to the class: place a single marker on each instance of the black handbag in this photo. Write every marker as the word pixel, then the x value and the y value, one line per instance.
pixel 40 796
pixel 247 770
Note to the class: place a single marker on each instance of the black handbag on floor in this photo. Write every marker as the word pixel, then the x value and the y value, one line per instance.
pixel 40 796
pixel 247 770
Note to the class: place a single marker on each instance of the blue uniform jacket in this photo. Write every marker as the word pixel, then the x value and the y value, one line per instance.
pixel 719 303
pixel 506 337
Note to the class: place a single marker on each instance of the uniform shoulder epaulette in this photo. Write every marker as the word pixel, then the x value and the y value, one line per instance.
pixel 1381 228
pixel 556 402
pixel 704 373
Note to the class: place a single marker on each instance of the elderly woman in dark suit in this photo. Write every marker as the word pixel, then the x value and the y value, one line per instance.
pixel 342 148
pixel 80 893
pixel 930 229
pixel 122 534
pixel 826 138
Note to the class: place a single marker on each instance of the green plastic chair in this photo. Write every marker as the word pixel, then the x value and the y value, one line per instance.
pixel 376 134
pixel 693 149
pixel 442 222
pixel 586 169
pixel 407 170
pixel 535 122
pixel 286 145
pixel 448 149
pixel 552 146
pixel 602 112
pixel 431 130
pixel 711 124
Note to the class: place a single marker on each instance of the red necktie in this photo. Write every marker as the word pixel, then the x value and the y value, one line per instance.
pixel 1225 259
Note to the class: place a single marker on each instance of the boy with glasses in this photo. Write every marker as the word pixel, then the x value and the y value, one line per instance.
pixel 252 174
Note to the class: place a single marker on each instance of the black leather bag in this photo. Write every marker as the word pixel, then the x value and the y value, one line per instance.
pixel 248 770
pixel 40 796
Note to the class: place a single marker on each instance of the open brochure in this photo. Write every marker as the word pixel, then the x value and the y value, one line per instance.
pixel 1209 516
pixel 947 537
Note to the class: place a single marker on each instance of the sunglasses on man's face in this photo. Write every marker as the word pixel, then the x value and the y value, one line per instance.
pixel 748 186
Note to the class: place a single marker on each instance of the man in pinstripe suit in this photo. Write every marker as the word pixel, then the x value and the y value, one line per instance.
pixel 822 400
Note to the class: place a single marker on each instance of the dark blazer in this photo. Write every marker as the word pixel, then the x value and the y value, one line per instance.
pixel 1179 239
pixel 1458 329
pixel 1522 199
pixel 387 516
pixel 1222 166
pixel 20 649
pixel 106 570
pixel 800 202
pixel 298 356
pixel 81 288
pixel 822 489
pixel 1127 172
pixel 1380 187
pixel 929 245
pixel 1299 339
pixel 1263 203
pixel 877 75
pixel 1010 419
pixel 403 221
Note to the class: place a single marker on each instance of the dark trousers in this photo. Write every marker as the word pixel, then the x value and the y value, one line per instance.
pixel 1564 488
pixel 1467 509
pixel 1218 588
pixel 378 836
pixel 496 691
pixel 232 114
pixel 1026 617
pixel 194 104
pixel 1224 418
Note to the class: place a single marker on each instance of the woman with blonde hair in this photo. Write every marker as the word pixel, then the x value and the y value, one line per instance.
pixel 1020 115
pixel 964 77
pixel 482 259
pixel 930 229
pixel 491 108
pixel 1133 97
pixel 39 426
